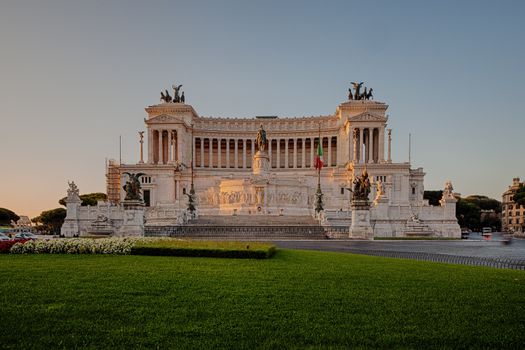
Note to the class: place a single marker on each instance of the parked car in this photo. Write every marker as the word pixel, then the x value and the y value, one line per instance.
pixel 4 237
pixel 25 235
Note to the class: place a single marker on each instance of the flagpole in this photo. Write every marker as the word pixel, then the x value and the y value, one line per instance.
pixel 191 197
pixel 319 167
pixel 319 193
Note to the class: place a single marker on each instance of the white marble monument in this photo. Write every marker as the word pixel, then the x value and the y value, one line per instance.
pixel 221 156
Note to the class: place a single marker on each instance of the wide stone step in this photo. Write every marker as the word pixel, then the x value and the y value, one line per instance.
pixel 238 233
pixel 418 229
pixel 253 220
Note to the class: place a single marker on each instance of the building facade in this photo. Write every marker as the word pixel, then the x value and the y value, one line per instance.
pixel 512 214
pixel 220 158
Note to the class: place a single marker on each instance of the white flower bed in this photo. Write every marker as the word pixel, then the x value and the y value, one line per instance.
pixel 76 246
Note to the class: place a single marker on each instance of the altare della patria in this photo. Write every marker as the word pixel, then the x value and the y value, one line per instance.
pixel 329 176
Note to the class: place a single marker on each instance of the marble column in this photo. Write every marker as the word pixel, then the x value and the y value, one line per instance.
pixel 161 149
pixel 278 153
pixel 295 153
pixel 312 151
pixel 270 152
pixel 150 146
pixel 381 144
pixel 360 155
pixel 170 146
pixel 202 152
pixel 219 153
pixel 227 153
pixel 253 152
pixel 210 155
pixel 177 147
pixel 303 155
pixel 286 153
pixel 329 158
pixel 354 135
pixel 389 145
pixel 370 145
pixel 376 145
pixel 236 155
pixel 193 152
pixel 244 153
pixel 367 145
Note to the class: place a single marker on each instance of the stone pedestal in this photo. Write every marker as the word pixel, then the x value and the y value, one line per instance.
pixel 379 214
pixel 70 227
pixel 360 227
pixel 133 224
pixel 261 172
pixel 261 163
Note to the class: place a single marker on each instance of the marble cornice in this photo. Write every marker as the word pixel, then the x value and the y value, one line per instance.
pixel 270 136
pixel 170 108
pixel 366 117
pixel 268 121
pixel 360 104
pixel 279 126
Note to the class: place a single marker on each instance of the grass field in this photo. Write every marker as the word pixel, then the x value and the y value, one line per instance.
pixel 297 299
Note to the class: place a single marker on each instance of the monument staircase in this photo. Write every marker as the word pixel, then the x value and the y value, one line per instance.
pixel 415 228
pixel 337 223
pixel 244 227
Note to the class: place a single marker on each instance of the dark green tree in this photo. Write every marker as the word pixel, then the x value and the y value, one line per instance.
pixel 88 199
pixel 519 196
pixel 6 216
pixel 485 203
pixel 51 220
pixel 433 197
pixel 468 214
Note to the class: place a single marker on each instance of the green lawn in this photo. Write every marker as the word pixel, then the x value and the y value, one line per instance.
pixel 297 299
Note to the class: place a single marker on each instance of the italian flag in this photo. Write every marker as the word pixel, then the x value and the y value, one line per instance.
pixel 319 157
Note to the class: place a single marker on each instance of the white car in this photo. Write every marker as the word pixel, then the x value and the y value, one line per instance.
pixel 4 237
pixel 25 235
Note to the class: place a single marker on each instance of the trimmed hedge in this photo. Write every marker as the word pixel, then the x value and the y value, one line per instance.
pixel 141 246
pixel 75 246
pixel 204 249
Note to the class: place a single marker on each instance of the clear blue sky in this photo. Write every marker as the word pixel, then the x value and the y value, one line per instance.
pixel 74 75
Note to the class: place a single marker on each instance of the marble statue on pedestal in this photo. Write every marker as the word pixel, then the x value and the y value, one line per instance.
pixel 70 227
pixel 361 227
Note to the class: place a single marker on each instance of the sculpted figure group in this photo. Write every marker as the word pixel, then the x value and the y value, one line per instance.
pixel 132 187
pixel 166 97
pixel 358 95
pixel 362 187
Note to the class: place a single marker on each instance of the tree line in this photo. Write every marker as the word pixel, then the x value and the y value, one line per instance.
pixel 473 212
pixel 50 221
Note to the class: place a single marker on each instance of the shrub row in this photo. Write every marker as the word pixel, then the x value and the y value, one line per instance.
pixel 75 246
pixel 246 253
pixel 141 246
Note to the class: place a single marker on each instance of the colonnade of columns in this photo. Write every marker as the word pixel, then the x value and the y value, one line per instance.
pixel 367 145
pixel 238 153
pixel 164 146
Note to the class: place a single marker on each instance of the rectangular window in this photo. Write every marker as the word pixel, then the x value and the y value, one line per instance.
pixel 147 198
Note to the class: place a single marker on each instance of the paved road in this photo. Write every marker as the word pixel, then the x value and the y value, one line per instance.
pixel 472 251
